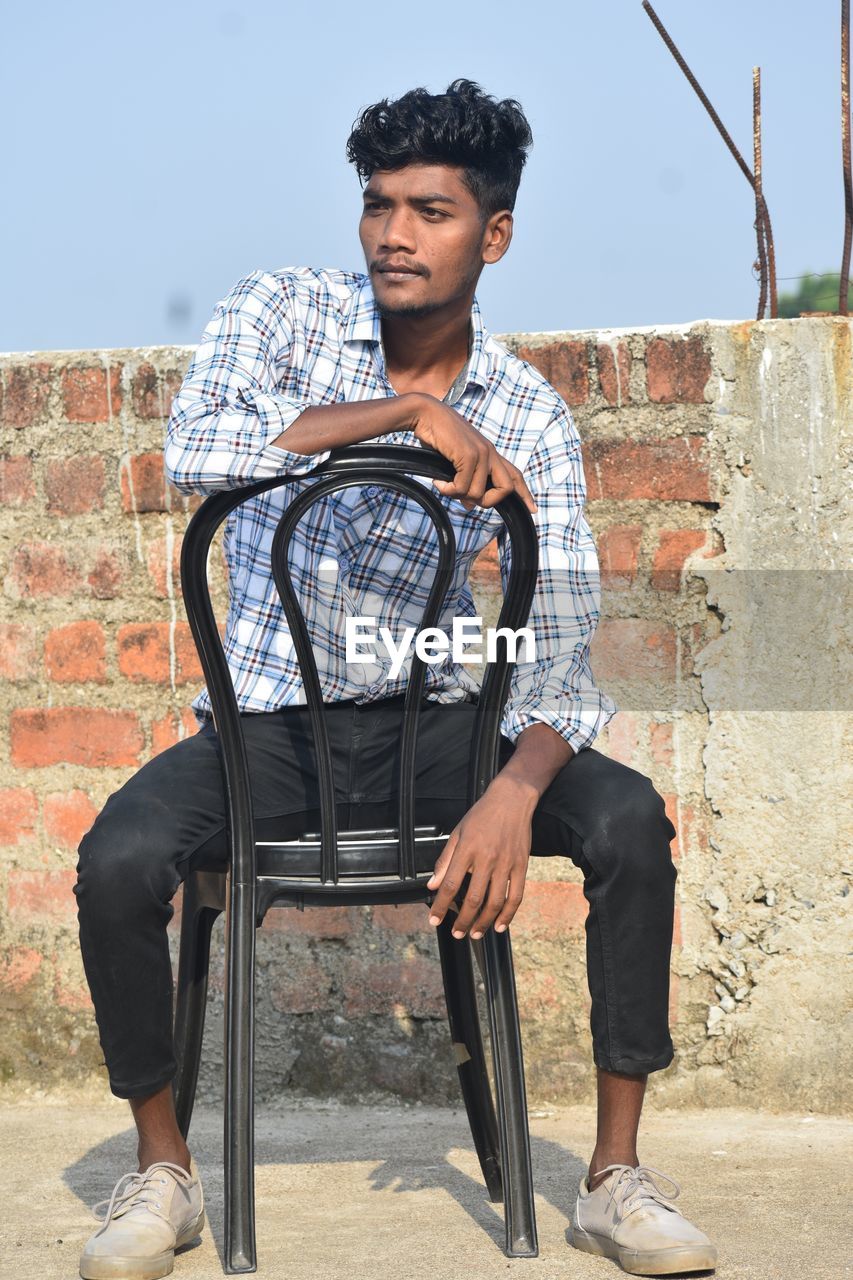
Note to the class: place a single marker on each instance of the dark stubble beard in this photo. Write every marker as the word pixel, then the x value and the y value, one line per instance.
pixel 412 310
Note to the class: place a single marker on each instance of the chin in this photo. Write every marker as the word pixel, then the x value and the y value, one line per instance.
pixel 403 307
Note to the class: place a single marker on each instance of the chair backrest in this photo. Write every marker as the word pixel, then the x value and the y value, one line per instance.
pixel 384 465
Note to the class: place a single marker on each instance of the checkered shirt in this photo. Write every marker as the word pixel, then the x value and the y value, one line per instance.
pixel 282 341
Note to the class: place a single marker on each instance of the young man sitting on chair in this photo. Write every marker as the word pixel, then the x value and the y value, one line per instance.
pixel 294 363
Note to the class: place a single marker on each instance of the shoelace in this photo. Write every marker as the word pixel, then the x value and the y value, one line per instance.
pixel 637 1185
pixel 138 1186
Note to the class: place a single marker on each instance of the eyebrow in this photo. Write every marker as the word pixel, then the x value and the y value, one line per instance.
pixel 370 193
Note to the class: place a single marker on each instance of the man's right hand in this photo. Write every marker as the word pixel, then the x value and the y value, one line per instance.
pixel 474 458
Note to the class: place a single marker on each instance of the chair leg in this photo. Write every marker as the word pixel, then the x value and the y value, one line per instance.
pixel 467 1040
pixel 199 912
pixel 520 1214
pixel 240 1246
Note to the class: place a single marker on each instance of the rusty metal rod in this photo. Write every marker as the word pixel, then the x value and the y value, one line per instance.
pixel 726 136
pixel 844 291
pixel 771 262
pixel 760 229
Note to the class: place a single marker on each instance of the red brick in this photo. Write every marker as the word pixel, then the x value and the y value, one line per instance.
pixel 105 576
pixel 618 550
pixel 315 922
pixel 74 485
pixel 623 737
pixel 156 561
pixel 673 469
pixel 26 389
pixel 144 653
pixel 68 815
pixel 305 988
pixel 90 393
pixel 415 985
pixel 409 918
pixel 16 481
pixel 18 814
pixel 171 729
pixel 40 896
pixel 18 968
pixel 76 653
pixel 661 740
pixel 42 569
pixel 565 365
pixel 143 487
pixel 678 370
pixel 152 392
pixel 614 379
pixel 18 651
pixel 633 649
pixel 674 546
pixel 90 736
pixel 552 909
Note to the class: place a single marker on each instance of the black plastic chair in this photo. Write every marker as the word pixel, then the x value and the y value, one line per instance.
pixel 350 867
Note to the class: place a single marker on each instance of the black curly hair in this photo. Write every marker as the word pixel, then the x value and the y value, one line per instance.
pixel 464 127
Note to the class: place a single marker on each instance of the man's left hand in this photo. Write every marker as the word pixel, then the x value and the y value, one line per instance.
pixel 492 844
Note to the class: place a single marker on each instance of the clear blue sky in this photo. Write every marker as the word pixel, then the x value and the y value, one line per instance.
pixel 154 153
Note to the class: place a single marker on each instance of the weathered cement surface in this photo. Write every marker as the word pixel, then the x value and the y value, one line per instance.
pixel 717 459
pixel 778 684
pixel 377 1192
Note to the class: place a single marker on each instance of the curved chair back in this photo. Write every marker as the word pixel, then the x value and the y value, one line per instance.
pixel 385 465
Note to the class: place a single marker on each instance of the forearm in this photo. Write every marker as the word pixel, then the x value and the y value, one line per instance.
pixel 332 426
pixel 540 753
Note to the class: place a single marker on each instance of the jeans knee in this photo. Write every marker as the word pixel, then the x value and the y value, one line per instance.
pixel 634 834
pixel 117 863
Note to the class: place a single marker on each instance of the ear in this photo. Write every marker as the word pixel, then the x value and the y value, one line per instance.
pixel 497 236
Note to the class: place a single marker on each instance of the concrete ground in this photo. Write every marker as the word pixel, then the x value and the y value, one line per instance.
pixel 395 1192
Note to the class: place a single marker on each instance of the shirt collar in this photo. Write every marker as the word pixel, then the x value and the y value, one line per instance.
pixel 362 324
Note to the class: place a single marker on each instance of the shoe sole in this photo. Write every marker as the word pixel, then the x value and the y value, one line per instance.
pixel 115 1268
pixel 648 1262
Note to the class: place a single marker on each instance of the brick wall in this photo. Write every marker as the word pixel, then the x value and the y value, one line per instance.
pixel 98 668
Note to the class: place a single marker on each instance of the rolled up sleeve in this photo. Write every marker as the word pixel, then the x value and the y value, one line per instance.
pixel 557 688
pixel 228 410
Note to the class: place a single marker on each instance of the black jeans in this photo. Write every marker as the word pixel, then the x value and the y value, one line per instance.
pixel 169 817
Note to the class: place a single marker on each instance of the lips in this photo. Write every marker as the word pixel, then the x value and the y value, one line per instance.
pixel 390 270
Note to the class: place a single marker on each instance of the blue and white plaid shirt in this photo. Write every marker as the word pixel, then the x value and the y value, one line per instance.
pixel 284 340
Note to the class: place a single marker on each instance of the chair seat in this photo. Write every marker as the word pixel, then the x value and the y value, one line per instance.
pixel 366 853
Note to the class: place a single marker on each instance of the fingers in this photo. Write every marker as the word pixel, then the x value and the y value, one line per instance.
pixel 506 477
pixel 450 886
pixel 492 897
pixel 475 897
pixel 513 901
pixel 475 459
pixel 443 861
pixel 471 483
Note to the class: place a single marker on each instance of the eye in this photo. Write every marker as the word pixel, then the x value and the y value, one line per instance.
pixel 438 212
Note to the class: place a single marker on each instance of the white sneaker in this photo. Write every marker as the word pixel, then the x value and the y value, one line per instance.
pixel 628 1217
pixel 147 1218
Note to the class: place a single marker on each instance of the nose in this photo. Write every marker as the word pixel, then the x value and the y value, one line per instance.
pixel 397 231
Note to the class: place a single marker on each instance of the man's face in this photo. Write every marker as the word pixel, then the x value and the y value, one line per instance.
pixel 423 221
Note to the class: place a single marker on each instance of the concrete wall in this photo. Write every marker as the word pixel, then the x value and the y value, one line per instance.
pixel 715 460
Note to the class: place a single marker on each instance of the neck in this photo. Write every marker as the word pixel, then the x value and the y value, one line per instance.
pixel 432 344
